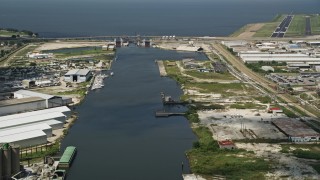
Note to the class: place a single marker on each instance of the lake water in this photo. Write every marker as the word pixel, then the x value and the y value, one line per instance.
pixel 117 135
pixel 61 18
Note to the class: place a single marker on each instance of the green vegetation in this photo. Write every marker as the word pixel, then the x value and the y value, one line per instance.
pixel 256 67
pixel 207 159
pixel 297 26
pixel 239 31
pixel 96 51
pixel 315 24
pixel 7 33
pixel 210 75
pixel 263 99
pixel 268 28
pixel 41 151
pixel 247 106
pixel 80 91
pixel 306 151
pixel 227 89
pixel 288 112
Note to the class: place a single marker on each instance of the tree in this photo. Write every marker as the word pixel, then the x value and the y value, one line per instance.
pixel 13 36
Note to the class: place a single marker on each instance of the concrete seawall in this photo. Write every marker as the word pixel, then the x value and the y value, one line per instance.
pixel 162 69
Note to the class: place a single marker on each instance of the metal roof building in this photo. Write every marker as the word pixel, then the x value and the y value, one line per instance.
pixel 25 139
pixel 21 105
pixel 62 109
pixel 51 100
pixel 296 130
pixel 42 126
pixel 77 75
pixel 19 121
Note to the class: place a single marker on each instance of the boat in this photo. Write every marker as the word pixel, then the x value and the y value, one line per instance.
pixel 111 73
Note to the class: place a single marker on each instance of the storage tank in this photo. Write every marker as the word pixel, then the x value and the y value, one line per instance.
pixel 1 165
pixel 15 159
pixel 6 163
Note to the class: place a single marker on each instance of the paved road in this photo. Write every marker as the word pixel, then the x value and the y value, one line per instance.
pixel 308 26
pixel 257 79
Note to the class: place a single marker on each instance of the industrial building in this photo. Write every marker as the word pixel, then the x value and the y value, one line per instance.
pixel 32 128
pixel 28 120
pixel 77 75
pixel 296 130
pixel 62 109
pixel 50 100
pixel 263 57
pixel 12 106
pixel 9 161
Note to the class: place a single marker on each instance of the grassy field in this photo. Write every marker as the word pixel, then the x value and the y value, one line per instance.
pixel 6 33
pixel 229 89
pixel 297 26
pixel 306 151
pixel 247 106
pixel 315 24
pixel 97 51
pixel 207 159
pixel 210 75
pixel 268 28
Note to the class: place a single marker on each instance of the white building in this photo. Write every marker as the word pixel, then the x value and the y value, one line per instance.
pixel 37 55
pixel 50 100
pixel 13 106
pixel 25 139
pixel 77 75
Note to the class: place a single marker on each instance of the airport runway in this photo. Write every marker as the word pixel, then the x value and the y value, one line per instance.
pixel 308 26
pixel 283 27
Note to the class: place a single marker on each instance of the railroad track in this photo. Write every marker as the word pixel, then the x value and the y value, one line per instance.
pixel 261 81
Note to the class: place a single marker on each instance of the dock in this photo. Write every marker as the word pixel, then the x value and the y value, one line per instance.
pixel 98 81
pixel 167 100
pixel 162 69
pixel 167 114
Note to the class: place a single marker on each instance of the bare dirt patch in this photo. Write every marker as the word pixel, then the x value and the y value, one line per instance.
pixel 250 30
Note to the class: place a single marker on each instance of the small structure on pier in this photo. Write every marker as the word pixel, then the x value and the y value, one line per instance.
pixel 168 100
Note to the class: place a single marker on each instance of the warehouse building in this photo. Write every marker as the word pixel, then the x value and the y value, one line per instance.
pixel 296 130
pixel 262 57
pixel 28 120
pixel 50 100
pixel 21 105
pixel 25 139
pixel 12 131
pixel 77 75
pixel 62 109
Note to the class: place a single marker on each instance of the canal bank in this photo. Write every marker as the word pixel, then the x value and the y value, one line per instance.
pixel 117 135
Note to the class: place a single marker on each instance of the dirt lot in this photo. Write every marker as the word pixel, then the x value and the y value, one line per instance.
pixel 227 124
pixel 60 45
pixel 287 167
pixel 250 30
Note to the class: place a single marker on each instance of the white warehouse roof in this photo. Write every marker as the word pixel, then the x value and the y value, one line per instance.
pixel 78 72
pixel 273 55
pixel 33 94
pixel 24 136
pixel 7 123
pixel 12 131
pixel 60 109
pixel 283 59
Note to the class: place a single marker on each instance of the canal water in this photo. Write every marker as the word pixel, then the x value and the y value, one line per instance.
pixel 117 135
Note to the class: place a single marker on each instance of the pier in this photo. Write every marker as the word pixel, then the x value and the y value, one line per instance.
pixel 167 114
pixel 167 100
pixel 98 81
pixel 162 69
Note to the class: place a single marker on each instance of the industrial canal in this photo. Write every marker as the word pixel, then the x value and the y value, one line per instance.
pixel 117 134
